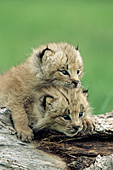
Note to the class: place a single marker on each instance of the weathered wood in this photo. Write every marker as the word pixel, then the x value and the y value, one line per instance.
pixel 102 163
pixel 18 155
pixel 53 150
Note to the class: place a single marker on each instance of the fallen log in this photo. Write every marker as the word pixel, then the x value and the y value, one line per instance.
pixel 53 150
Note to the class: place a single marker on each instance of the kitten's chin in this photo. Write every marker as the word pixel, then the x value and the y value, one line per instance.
pixel 72 85
pixel 72 133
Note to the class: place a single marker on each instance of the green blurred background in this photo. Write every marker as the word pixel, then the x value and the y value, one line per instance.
pixel 27 24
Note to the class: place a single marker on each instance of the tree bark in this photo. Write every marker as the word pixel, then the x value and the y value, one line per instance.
pixel 52 150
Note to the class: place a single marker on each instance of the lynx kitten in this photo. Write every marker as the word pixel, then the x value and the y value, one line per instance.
pixel 52 64
pixel 57 109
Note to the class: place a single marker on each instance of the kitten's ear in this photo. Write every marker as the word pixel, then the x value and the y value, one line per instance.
pixel 45 53
pixel 85 92
pixel 46 101
pixel 77 47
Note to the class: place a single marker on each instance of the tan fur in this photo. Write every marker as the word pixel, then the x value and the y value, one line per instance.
pixel 42 69
pixel 59 109
pixel 61 56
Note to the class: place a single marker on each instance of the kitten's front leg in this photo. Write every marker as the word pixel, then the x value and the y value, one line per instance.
pixel 21 123
pixel 88 124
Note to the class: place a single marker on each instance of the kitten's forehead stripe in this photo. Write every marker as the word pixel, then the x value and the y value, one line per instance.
pixel 66 110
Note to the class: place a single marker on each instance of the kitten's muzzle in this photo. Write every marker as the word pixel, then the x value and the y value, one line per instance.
pixel 76 128
pixel 75 82
pixel 73 131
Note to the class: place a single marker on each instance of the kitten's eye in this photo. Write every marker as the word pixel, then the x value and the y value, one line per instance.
pixel 78 71
pixel 64 72
pixel 66 117
pixel 80 114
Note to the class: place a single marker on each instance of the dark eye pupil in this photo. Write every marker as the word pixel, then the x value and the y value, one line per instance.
pixel 80 114
pixel 64 72
pixel 66 117
pixel 78 71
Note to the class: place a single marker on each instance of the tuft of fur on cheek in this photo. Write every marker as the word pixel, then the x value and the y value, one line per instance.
pixel 58 124
pixel 63 83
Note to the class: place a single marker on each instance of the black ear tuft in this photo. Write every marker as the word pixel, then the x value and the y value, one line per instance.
pixel 77 47
pixel 44 100
pixel 85 92
pixel 42 53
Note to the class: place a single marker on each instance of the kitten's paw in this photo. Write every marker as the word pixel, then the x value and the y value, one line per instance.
pixel 88 124
pixel 25 134
pixel 12 130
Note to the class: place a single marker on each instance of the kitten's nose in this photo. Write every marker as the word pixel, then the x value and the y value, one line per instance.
pixel 75 82
pixel 76 127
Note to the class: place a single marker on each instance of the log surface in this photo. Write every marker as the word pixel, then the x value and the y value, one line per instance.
pixel 18 155
pixel 53 150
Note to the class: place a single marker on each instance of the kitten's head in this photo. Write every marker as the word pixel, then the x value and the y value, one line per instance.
pixel 64 113
pixel 57 64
